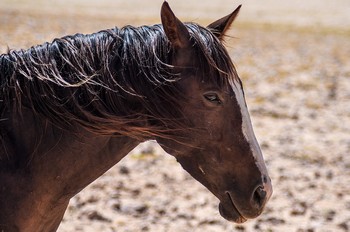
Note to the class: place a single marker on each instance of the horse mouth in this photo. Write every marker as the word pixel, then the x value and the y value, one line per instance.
pixel 230 211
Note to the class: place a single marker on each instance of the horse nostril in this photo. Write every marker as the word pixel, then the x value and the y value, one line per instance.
pixel 259 196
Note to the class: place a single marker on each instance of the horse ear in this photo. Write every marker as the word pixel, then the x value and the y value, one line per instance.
pixel 219 27
pixel 174 29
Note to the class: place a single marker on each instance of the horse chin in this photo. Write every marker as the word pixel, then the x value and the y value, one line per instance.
pixel 231 214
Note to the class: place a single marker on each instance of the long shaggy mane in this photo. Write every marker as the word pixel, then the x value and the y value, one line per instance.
pixel 116 81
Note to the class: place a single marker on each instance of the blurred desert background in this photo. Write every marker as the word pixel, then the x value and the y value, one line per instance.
pixel 294 60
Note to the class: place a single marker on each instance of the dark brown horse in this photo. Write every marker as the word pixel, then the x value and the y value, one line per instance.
pixel 71 109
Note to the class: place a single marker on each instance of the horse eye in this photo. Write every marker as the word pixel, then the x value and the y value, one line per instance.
pixel 213 98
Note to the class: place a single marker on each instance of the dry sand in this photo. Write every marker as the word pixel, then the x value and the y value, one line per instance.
pixel 294 61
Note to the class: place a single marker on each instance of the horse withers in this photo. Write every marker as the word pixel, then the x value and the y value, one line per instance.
pixel 72 108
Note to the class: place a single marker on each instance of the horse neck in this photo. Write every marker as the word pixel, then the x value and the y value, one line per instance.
pixel 49 166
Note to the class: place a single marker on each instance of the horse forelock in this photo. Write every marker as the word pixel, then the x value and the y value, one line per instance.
pixel 217 61
pixel 111 82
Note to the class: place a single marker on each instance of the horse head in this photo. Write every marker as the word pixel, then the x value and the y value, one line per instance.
pixel 219 148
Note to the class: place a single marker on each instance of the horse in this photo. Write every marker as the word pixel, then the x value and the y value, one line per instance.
pixel 71 109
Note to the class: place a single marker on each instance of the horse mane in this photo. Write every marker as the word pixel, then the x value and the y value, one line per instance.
pixel 116 81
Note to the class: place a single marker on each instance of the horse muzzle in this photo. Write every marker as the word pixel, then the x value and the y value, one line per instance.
pixel 239 210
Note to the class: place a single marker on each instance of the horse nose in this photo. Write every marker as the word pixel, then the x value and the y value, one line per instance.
pixel 262 194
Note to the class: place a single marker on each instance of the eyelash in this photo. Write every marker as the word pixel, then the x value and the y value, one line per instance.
pixel 213 98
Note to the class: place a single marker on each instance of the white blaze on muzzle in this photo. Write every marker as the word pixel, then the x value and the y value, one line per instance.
pixel 247 128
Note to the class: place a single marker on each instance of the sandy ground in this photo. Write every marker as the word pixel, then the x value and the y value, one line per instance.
pixel 295 65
